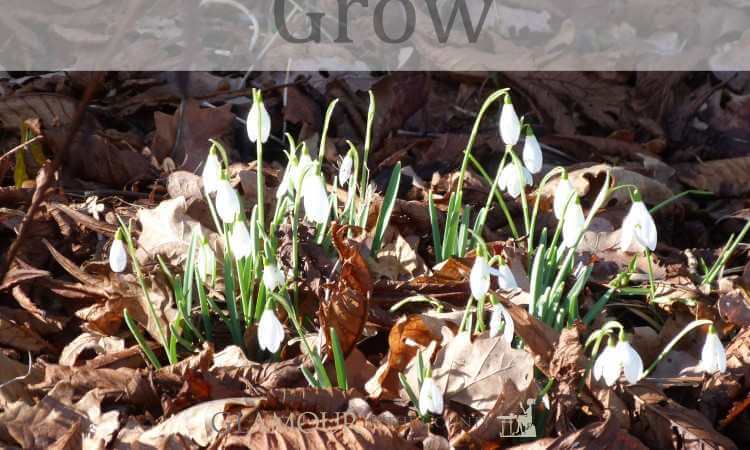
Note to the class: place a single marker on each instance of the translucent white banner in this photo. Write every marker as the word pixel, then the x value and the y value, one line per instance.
pixel 374 35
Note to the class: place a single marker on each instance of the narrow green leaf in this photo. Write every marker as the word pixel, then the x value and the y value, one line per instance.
pixel 338 360
pixel 387 208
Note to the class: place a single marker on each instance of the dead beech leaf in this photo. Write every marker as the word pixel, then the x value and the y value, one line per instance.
pixel 197 125
pixel 734 307
pixel 44 423
pixel 469 372
pixel 665 424
pixel 398 259
pixel 199 423
pixel 89 342
pixel 597 435
pixel 272 432
pixel 538 337
pixel 723 177
pixel 21 337
pixel 166 230
pixel 13 391
pixel 348 302
pixel 587 183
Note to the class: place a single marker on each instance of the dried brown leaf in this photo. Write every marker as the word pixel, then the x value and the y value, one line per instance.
pixel 723 177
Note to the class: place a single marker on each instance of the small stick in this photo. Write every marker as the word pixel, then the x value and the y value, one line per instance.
pixel 19 147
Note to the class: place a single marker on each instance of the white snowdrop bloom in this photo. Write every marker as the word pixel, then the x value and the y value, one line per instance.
pixel 510 125
pixel 499 316
pixel 118 255
pixel 211 173
pixel 565 194
pixel 206 262
pixel 713 355
pixel 286 183
pixel 630 361
pixel 573 224
pixel 430 398
pixel 303 167
pixel 505 278
pixel 315 197
pixel 510 182
pixel 227 202
pixel 240 241
pixel 253 131
pixel 270 332
pixel 479 278
pixel 345 170
pixel 638 228
pixel 607 365
pixel 273 277
pixel 532 153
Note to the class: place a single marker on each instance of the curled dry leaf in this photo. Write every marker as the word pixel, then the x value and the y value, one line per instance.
pixel 347 306
pixel 723 177
pixel 664 423
pixel 89 342
pixel 539 338
pixel 406 337
pixel 469 372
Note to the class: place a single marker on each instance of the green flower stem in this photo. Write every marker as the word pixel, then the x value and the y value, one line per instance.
pixel 261 185
pixel 651 283
pixel 365 175
pixel 524 202
pixel 691 326
pixel 496 193
pixel 677 197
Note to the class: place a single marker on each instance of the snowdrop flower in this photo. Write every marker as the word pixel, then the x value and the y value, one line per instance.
pixel 479 278
pixel 499 316
pixel 303 167
pixel 505 278
pixel 345 170
pixel 573 224
pixel 630 360
pixel 713 356
pixel 509 180
pixel 270 332
pixel 430 397
pixel 240 241
pixel 532 152
pixel 638 226
pixel 510 125
pixel 272 277
pixel 565 194
pixel 607 364
pixel 227 202
pixel 616 359
pixel 315 197
pixel 211 173
pixel 286 184
pixel 206 260
pixel 118 255
pixel 253 131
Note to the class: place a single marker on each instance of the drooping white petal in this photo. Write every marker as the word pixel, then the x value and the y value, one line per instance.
pixel 227 202
pixel 565 194
pixel 240 241
pixel 479 278
pixel 607 366
pixel 286 183
pixel 505 278
pixel 273 277
pixel 315 198
pixel 510 125
pixel 638 228
pixel 510 181
pixel 270 332
pixel 632 365
pixel 211 173
pixel 430 398
pixel 253 131
pixel 345 170
pixel 118 256
pixel 532 154
pixel 713 355
pixel 572 225
pixel 303 167
pixel 206 262
pixel 499 316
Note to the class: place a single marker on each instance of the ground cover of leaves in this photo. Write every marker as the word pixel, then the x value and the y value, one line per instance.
pixel 72 376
